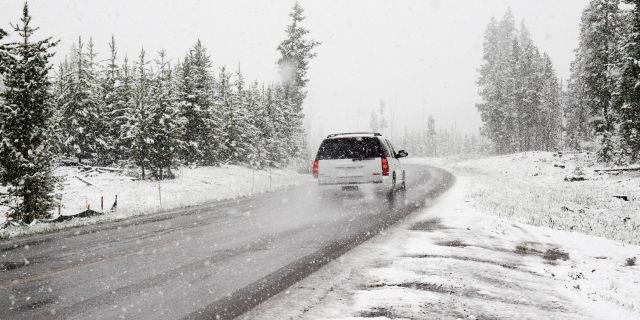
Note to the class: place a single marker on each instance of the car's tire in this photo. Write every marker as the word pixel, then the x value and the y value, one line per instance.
pixel 401 196
pixel 391 194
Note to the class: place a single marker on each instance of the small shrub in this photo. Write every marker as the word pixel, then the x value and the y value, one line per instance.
pixel 576 275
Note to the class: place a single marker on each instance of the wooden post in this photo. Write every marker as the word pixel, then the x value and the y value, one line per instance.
pixel 101 203
pixel 88 206
pixel 20 215
pixel 34 216
pixel 7 215
pixel 159 191
pixel 58 210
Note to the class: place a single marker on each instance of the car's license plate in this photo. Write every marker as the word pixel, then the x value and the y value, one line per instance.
pixel 350 188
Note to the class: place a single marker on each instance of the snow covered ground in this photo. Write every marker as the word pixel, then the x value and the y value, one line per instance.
pixel 498 245
pixel 192 186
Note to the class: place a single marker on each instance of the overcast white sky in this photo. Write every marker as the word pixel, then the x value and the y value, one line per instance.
pixel 421 56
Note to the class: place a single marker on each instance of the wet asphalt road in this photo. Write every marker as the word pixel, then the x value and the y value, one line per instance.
pixel 213 260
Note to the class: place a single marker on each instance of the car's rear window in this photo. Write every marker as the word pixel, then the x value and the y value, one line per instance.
pixel 350 148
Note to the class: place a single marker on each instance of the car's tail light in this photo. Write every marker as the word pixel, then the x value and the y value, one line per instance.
pixel 315 169
pixel 385 167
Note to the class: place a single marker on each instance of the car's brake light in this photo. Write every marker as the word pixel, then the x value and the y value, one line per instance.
pixel 385 167
pixel 315 169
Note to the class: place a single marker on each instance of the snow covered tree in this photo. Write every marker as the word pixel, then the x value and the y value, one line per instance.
pixel 431 149
pixel 102 152
pixel 550 115
pixel 578 129
pixel 267 118
pixel 276 130
pixel 196 83
pixel 26 110
pixel 60 87
pixel 383 117
pixel 521 109
pixel 165 125
pixel 494 111
pixel 116 94
pixel 81 106
pixel 139 131
pixel 627 102
pixel 294 62
pixel 233 106
pixel 528 109
pixel 124 106
pixel 293 65
pixel 595 72
pixel 252 99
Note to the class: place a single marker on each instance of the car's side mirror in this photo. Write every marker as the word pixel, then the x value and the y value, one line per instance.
pixel 401 154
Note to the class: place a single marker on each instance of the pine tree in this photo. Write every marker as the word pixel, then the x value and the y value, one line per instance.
pixel 267 121
pixel 550 115
pixel 276 135
pixel 139 125
pixel 201 134
pixel 521 107
pixel 245 131
pixel 383 119
pixel 115 99
pixel 165 125
pixel 251 99
pixel 627 103
pixel 578 129
pixel 226 109
pixel 293 65
pixel 530 111
pixel 294 62
pixel 124 107
pixel 81 106
pixel 599 58
pixel 60 89
pixel 102 151
pixel 494 82
pixel 26 157
pixel 431 134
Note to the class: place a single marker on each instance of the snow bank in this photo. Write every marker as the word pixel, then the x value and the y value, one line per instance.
pixel 563 192
pixel 192 186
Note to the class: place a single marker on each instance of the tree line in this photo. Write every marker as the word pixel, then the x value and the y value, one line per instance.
pixel 524 107
pixel 442 142
pixel 153 115
pixel 147 114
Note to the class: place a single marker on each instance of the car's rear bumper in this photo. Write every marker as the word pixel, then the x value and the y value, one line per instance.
pixel 373 188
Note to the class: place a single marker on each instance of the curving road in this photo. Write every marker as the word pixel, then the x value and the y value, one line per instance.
pixel 194 263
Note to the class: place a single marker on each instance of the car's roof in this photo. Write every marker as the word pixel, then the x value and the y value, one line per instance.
pixel 353 134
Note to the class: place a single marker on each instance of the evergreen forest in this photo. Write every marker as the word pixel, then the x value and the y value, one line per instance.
pixel 142 113
pixel 526 107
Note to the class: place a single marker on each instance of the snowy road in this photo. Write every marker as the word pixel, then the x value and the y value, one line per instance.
pixel 218 259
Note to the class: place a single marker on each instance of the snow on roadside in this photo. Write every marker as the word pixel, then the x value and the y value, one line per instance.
pixel 192 186
pixel 561 192
pixel 456 260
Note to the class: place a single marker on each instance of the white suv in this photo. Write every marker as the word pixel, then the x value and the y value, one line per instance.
pixel 359 162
